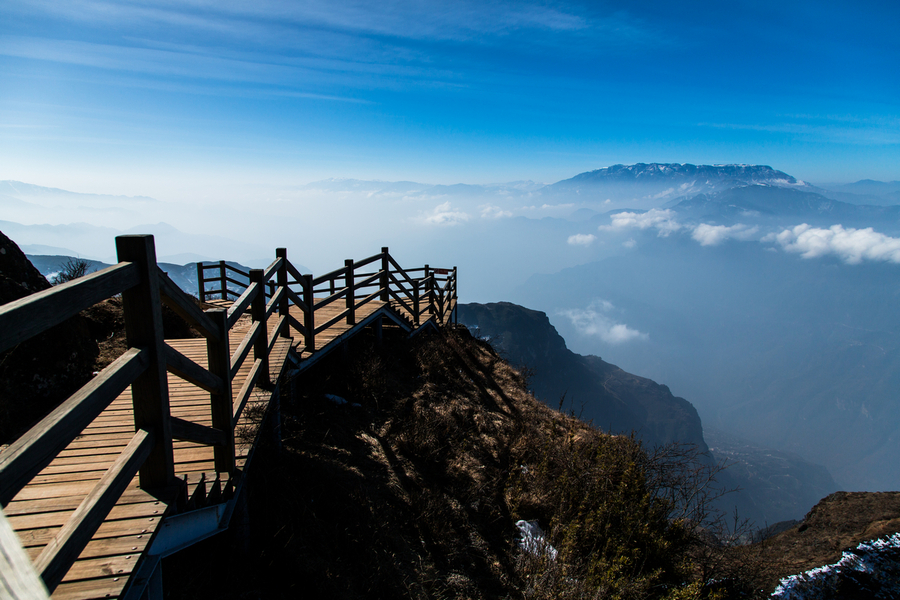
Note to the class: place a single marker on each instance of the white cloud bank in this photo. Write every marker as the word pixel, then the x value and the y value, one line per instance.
pixel 713 235
pixel 444 214
pixel 851 245
pixel 582 239
pixel 595 320
pixel 661 220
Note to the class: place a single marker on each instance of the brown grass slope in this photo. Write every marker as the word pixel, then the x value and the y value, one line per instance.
pixel 413 487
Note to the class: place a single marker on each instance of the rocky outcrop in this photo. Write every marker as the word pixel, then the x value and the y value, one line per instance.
pixel 40 373
pixel 585 386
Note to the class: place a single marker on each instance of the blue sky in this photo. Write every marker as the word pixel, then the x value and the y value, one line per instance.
pixel 165 98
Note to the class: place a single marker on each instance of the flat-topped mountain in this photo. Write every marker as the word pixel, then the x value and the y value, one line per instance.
pixel 650 185
pixel 730 175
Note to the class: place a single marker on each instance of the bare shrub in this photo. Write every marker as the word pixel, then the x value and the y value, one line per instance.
pixel 71 269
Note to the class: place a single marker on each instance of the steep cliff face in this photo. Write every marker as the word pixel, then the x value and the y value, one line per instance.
pixel 37 374
pixel 587 386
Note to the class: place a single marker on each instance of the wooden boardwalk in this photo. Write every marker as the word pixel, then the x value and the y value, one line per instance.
pixel 71 494
pixel 103 568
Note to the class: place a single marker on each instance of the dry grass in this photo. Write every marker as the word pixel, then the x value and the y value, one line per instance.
pixel 412 487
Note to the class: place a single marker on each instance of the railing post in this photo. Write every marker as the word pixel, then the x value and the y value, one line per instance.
pixel 454 316
pixel 283 307
pixel 221 405
pixel 415 287
pixel 200 284
pixel 143 328
pixel 309 320
pixel 351 293
pixel 258 314
pixel 429 292
pixel 222 276
pixel 440 301
pixel 385 274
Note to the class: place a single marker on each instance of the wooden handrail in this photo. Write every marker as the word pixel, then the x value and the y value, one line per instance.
pixel 184 306
pixel 244 394
pixel 27 317
pixel 243 349
pixel 332 298
pixel 199 434
pixel 336 319
pixel 180 365
pixel 336 274
pixel 272 268
pixel 274 302
pixel 297 300
pixel 400 270
pixel 367 261
pixel 236 310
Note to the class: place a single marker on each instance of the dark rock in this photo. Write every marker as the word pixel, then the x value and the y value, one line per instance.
pixel 38 374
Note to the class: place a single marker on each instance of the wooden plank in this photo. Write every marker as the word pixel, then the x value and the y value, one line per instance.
pixel 33 451
pixel 26 317
pixel 26 507
pixel 110 529
pixel 58 518
pixel 57 557
pixel 105 547
pixel 94 589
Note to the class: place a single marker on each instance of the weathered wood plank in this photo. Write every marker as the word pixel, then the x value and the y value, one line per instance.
pixel 58 518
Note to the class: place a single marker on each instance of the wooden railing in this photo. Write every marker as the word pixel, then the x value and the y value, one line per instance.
pixel 143 366
pixel 422 293
pixel 144 288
